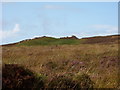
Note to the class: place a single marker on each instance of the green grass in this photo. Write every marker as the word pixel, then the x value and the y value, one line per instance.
pixel 50 41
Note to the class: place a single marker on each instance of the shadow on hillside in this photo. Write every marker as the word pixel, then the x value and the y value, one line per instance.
pixel 18 77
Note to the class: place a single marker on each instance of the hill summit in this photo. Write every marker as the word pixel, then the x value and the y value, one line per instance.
pixel 72 37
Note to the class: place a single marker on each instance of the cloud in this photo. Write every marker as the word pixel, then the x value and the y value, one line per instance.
pixel 53 7
pixel 106 28
pixel 98 30
pixel 10 33
pixel 60 7
pixel 16 28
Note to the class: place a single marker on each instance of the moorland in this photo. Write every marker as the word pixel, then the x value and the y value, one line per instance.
pixel 67 62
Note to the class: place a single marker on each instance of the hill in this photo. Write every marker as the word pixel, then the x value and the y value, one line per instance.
pixel 63 62
pixel 73 40
pixel 102 39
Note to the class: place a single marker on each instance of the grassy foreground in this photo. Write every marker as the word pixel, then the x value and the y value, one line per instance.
pixel 98 61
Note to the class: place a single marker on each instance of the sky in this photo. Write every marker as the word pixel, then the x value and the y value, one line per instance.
pixel 26 20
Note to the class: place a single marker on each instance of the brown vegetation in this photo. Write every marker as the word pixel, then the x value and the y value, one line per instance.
pixel 99 61
pixel 17 77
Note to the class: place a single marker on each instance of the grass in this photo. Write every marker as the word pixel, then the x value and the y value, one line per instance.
pixel 99 61
pixel 49 41
pixel 18 77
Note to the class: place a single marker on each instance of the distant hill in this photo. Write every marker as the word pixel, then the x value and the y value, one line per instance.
pixel 73 40
pixel 49 41
pixel 102 39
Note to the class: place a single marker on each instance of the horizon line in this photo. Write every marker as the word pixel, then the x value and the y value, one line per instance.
pixel 60 37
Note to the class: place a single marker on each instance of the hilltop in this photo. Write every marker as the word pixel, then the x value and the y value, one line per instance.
pixel 73 40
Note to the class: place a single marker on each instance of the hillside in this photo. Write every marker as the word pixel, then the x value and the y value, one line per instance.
pixel 73 40
pixel 102 39
pixel 63 62
pixel 48 41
